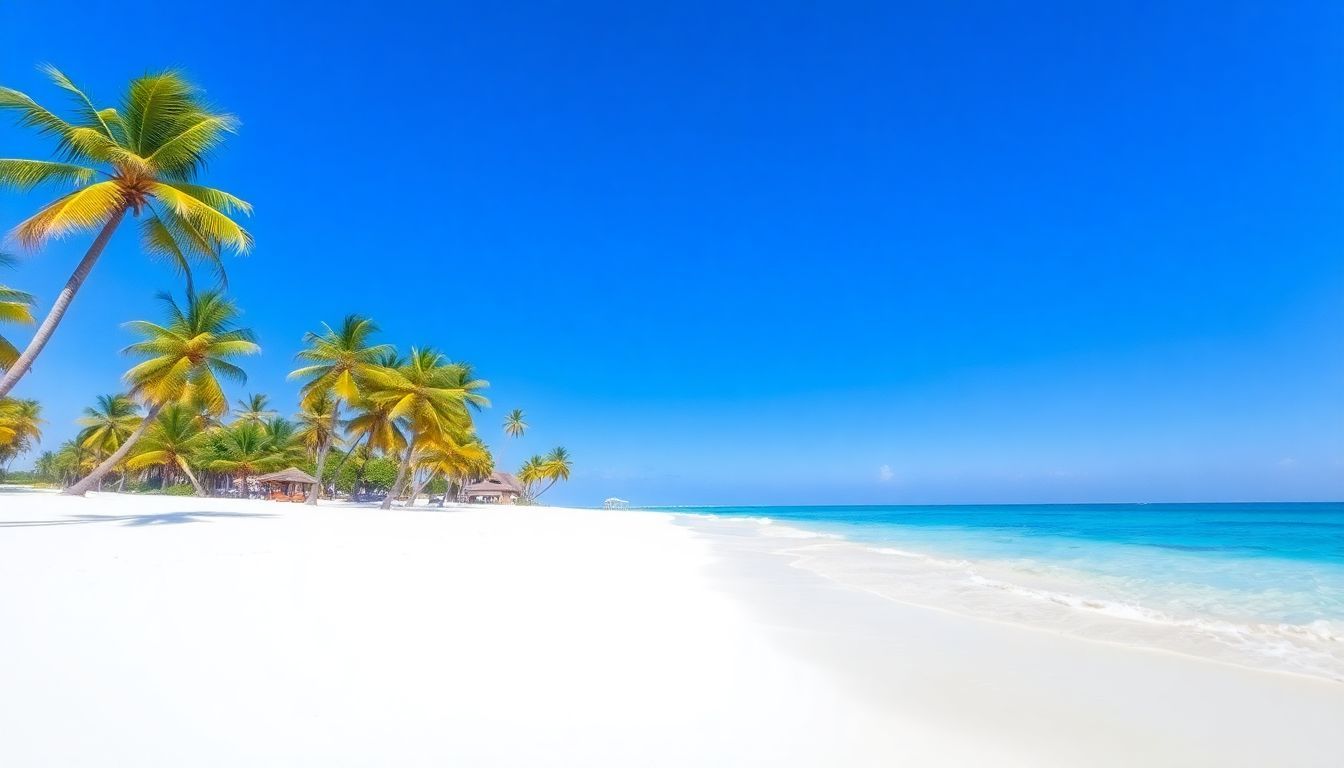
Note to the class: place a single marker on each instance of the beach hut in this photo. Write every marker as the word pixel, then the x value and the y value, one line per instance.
pixel 288 484
pixel 498 488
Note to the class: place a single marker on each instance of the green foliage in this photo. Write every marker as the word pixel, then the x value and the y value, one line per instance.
pixel 181 489
pixel 381 473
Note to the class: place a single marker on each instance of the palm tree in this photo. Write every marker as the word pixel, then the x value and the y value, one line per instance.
pixel 431 397
pixel 184 359
pixel 554 466
pixel 248 450
pixel 72 462
pixel 15 307
pixel 107 425
pixel 141 158
pixel 171 443
pixel 532 472
pixel 514 426
pixel 283 435
pixel 339 365
pixel 457 460
pixel 20 427
pixel 318 431
pixel 45 466
pixel 255 408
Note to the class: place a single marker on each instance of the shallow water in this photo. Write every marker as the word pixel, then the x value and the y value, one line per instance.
pixel 1257 584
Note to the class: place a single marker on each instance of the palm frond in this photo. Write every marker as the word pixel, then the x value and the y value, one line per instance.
pixel 210 222
pixel 26 174
pixel 90 114
pixel 82 209
pixel 183 154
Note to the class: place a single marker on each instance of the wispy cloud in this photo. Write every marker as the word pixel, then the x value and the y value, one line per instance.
pixel 885 474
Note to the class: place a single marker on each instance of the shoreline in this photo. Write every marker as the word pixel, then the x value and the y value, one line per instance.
pixel 173 630
pixel 1067 603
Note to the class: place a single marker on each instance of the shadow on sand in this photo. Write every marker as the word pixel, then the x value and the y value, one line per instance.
pixel 167 518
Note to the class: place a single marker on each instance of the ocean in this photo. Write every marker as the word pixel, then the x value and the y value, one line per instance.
pixel 1254 584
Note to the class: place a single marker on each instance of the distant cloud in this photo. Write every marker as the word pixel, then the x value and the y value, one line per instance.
pixel 884 474
pixel 1287 461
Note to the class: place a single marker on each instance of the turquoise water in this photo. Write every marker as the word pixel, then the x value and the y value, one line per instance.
pixel 1267 578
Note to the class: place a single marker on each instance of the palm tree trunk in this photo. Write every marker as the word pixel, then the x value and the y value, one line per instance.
pixel 96 476
pixel 416 488
pixel 200 489
pixel 322 452
pixel 401 473
pixel 58 307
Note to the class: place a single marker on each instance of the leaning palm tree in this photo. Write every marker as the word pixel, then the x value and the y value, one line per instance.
pixel 15 307
pixel 318 431
pixel 255 408
pixel 108 424
pixel 431 397
pixel 456 458
pixel 339 362
pixel 141 158
pixel 531 473
pixel 552 468
pixel 171 443
pixel 184 360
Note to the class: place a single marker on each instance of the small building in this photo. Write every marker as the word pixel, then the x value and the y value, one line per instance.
pixel 498 488
pixel 287 485
pixel 615 503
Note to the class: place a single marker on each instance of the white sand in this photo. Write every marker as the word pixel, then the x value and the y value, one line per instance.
pixel 172 632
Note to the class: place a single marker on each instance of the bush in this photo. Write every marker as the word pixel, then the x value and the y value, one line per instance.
pixel 179 490
pixel 380 474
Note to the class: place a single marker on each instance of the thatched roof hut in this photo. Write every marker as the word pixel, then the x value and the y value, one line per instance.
pixel 288 484
pixel 291 475
pixel 498 488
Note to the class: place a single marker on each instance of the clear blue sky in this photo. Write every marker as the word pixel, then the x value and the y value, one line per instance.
pixel 755 253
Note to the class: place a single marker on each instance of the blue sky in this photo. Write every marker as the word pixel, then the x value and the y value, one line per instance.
pixel 777 252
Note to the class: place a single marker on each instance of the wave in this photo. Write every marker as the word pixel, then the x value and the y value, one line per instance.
pixel 1059 598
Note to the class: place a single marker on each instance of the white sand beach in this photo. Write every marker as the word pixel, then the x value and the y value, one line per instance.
pixel 156 631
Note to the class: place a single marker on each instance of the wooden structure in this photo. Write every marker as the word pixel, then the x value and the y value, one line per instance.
pixel 287 485
pixel 498 488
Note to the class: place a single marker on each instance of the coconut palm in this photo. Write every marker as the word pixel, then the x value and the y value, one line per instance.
pixel 107 425
pixel 318 431
pixel 514 426
pixel 15 307
pixel 284 440
pixel 532 472
pixel 255 408
pixel 339 362
pixel 72 462
pixel 550 469
pixel 140 158
pixel 431 397
pixel 45 466
pixel 20 427
pixel 248 449
pixel 184 360
pixel 455 457
pixel 170 444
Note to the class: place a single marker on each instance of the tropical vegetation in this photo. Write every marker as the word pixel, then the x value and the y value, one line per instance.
pixel 141 157
pixel 370 419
